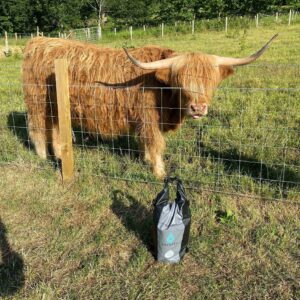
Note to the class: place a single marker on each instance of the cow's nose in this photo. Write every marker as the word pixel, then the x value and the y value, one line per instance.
pixel 200 109
pixel 194 108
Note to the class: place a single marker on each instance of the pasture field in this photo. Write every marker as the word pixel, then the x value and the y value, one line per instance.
pixel 90 239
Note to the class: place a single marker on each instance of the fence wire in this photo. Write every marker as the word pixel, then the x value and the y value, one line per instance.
pixel 248 144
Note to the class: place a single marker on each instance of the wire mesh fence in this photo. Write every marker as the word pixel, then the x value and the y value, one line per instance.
pixel 248 144
pixel 213 155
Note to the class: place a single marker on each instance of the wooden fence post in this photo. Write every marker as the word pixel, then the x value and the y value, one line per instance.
pixel 277 17
pixel 162 29
pixel 6 48
pixel 193 26
pixel 64 118
pixel 226 25
pixel 130 31
pixel 99 32
pixel 290 17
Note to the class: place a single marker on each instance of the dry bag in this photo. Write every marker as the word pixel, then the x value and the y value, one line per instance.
pixel 172 221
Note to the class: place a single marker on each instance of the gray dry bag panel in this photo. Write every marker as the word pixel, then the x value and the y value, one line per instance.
pixel 172 223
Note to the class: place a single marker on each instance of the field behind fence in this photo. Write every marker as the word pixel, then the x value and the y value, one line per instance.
pixel 247 145
pixel 230 25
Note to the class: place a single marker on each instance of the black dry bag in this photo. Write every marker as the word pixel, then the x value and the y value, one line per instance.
pixel 172 221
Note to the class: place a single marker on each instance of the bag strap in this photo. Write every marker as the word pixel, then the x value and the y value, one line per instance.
pixel 181 198
pixel 180 191
pixel 163 196
pixel 172 179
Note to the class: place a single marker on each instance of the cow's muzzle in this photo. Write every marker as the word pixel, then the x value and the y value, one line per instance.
pixel 196 111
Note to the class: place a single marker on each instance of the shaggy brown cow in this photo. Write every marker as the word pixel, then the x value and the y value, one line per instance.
pixel 124 101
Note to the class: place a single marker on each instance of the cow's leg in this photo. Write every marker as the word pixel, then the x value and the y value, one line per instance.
pixel 56 141
pixel 147 156
pixel 153 145
pixel 38 135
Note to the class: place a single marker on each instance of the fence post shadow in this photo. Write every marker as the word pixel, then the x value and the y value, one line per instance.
pixel 134 216
pixel 12 276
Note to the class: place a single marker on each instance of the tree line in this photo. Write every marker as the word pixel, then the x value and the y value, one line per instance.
pixel 59 15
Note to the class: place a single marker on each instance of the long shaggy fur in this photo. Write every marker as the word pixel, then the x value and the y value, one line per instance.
pixel 110 96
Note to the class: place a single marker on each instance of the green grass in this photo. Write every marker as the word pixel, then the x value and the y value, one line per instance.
pixel 90 239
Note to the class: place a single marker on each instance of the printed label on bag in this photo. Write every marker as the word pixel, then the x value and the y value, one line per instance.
pixel 169 243
pixel 170 238
pixel 169 254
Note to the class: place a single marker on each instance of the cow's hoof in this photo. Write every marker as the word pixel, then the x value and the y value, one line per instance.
pixel 159 173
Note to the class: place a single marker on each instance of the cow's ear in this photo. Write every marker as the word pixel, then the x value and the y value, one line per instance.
pixel 225 71
pixel 163 75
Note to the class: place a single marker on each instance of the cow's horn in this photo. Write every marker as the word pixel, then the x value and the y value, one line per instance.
pixel 154 65
pixel 230 61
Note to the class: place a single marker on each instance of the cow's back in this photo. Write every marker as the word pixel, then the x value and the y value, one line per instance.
pixel 87 63
pixel 104 84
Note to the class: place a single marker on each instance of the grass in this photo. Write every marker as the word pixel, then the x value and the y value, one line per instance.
pixel 91 239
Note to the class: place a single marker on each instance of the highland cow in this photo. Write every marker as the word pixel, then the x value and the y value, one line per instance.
pixel 146 92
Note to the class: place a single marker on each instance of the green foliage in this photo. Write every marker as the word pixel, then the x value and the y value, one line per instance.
pixel 251 7
pixel 53 15
pixel 177 10
pixel 48 15
pixel 225 217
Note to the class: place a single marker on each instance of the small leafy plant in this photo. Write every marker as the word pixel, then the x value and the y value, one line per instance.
pixel 225 217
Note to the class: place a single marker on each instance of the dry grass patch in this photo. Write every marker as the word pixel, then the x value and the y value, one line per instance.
pixel 98 245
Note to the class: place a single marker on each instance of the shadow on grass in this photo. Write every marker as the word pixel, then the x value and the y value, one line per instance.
pixel 122 145
pixel 279 177
pixel 17 123
pixel 12 277
pixel 134 216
